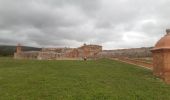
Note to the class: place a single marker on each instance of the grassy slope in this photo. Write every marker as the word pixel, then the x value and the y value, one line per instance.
pixel 78 80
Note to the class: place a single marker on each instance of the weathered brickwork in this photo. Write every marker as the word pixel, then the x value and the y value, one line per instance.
pixel 161 58
pixel 86 51
pixel 26 55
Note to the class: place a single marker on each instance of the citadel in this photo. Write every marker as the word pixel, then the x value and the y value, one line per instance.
pixel 159 64
pixel 83 52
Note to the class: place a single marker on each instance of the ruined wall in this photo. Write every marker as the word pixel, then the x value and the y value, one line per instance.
pixel 54 53
pixel 57 50
pixel 131 53
pixel 88 51
pixel 72 54
pixel 26 55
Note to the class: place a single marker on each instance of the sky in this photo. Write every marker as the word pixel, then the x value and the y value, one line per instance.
pixel 114 24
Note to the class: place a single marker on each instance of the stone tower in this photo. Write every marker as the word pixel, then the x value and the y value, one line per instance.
pixel 18 48
pixel 161 58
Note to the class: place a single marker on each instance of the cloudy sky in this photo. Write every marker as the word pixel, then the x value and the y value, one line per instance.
pixel 70 23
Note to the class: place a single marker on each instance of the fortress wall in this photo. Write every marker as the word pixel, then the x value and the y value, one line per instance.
pixel 26 55
pixel 131 53
pixel 86 51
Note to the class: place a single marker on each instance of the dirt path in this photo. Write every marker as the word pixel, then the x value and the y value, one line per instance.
pixel 135 62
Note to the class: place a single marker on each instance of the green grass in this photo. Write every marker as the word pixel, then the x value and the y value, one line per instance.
pixel 78 80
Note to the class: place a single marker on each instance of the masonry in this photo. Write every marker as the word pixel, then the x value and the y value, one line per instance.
pixel 161 58
pixel 85 51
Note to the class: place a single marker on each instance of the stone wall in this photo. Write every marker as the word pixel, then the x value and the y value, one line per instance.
pixel 131 53
pixel 26 55
pixel 88 51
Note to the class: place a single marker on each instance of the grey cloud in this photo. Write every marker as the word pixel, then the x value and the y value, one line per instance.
pixel 112 23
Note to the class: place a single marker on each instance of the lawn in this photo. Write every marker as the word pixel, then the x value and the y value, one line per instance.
pixel 78 80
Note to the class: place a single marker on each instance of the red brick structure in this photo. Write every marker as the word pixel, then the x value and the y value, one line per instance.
pixel 85 51
pixel 89 51
pixel 161 58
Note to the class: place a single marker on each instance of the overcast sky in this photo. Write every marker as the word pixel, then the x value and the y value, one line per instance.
pixel 70 23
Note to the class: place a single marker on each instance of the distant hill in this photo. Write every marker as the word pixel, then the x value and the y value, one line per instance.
pixel 9 50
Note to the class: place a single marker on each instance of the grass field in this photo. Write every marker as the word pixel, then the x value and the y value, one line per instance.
pixel 78 80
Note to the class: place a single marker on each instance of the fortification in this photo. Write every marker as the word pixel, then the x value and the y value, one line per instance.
pixel 19 54
pixel 85 51
pixel 161 58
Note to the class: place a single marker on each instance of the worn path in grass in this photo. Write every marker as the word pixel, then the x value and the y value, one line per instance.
pixel 78 80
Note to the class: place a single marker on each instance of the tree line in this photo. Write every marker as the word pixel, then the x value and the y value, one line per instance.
pixel 10 50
